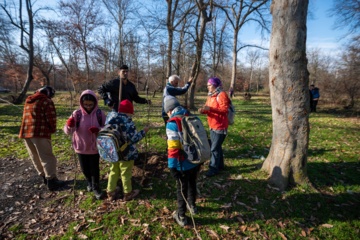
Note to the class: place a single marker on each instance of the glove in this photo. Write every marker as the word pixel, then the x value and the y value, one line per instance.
pixel 175 173
pixel 70 122
pixel 94 129
pixel 149 102
pixel 109 102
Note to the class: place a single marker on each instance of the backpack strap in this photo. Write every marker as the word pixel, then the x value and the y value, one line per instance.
pixel 77 118
pixel 177 120
pixel 78 115
pixel 99 117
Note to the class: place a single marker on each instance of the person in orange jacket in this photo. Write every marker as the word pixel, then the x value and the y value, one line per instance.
pixel 216 109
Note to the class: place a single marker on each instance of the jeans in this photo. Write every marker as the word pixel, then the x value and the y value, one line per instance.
pixel 217 158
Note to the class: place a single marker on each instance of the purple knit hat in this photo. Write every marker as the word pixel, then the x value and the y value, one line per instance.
pixel 216 82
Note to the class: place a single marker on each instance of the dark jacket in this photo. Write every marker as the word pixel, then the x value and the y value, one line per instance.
pixel 109 91
pixel 173 91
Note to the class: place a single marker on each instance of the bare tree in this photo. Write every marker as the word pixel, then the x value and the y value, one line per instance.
pixel 347 13
pixel 287 160
pixel 26 39
pixel 82 18
pixel 240 13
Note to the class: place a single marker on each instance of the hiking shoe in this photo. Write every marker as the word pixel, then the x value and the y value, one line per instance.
pixel 131 195
pixel 89 187
pixel 98 194
pixel 55 184
pixel 182 221
pixel 112 196
pixel 192 209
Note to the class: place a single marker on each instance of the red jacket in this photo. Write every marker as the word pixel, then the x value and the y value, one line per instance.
pixel 39 117
pixel 217 115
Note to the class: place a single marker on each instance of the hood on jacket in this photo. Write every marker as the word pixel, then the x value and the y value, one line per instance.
pixel 90 92
pixel 36 96
pixel 179 110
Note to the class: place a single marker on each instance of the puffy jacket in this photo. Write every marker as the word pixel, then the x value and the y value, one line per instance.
pixel 84 141
pixel 176 155
pixel 39 117
pixel 128 92
pixel 130 129
pixel 217 115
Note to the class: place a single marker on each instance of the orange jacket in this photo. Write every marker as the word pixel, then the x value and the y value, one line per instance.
pixel 217 115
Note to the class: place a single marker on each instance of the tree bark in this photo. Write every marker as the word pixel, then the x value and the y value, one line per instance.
pixel 289 92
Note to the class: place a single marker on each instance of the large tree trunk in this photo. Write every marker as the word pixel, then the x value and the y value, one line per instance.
pixel 289 91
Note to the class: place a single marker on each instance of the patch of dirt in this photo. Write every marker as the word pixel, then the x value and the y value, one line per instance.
pixel 27 207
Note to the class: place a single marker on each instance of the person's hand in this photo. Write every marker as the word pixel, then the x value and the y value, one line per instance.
pixel 175 173
pixel 70 122
pixel 149 101
pixel 201 110
pixel 146 129
pixel 190 80
pixel 206 108
pixel 94 129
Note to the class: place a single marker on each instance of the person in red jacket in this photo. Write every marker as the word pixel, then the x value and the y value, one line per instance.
pixel 216 109
pixel 38 123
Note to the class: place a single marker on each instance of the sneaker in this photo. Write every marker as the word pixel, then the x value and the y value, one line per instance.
pixel 192 209
pixel 182 221
pixel 131 195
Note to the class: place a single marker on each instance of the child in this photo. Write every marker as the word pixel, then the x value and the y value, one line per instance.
pixel 83 125
pixel 124 167
pixel 181 168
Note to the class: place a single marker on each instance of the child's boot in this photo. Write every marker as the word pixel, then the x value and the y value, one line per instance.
pixel 131 195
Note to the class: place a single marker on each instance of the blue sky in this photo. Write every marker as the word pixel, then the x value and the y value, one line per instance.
pixel 321 33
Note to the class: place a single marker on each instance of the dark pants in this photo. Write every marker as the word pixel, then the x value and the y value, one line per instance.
pixel 217 158
pixel 313 105
pixel 89 164
pixel 186 185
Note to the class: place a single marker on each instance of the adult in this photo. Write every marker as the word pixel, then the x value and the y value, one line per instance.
pixel 216 109
pixel 172 89
pixel 109 91
pixel 38 123
pixel 316 95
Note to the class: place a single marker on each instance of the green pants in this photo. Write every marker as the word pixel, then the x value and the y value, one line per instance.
pixel 123 169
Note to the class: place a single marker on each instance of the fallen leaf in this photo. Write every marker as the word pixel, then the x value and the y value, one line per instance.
pixel 226 228
pixel 282 235
pixel 212 234
pixel 326 225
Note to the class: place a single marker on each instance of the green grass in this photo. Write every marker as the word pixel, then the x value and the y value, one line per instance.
pixel 238 203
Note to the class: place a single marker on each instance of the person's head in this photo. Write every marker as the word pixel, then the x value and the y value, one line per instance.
pixel 123 72
pixel 48 91
pixel 88 102
pixel 174 80
pixel 213 83
pixel 126 107
pixel 312 86
pixel 170 103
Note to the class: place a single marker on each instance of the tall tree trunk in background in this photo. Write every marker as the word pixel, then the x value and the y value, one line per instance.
pixel 289 92
pixel 200 33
